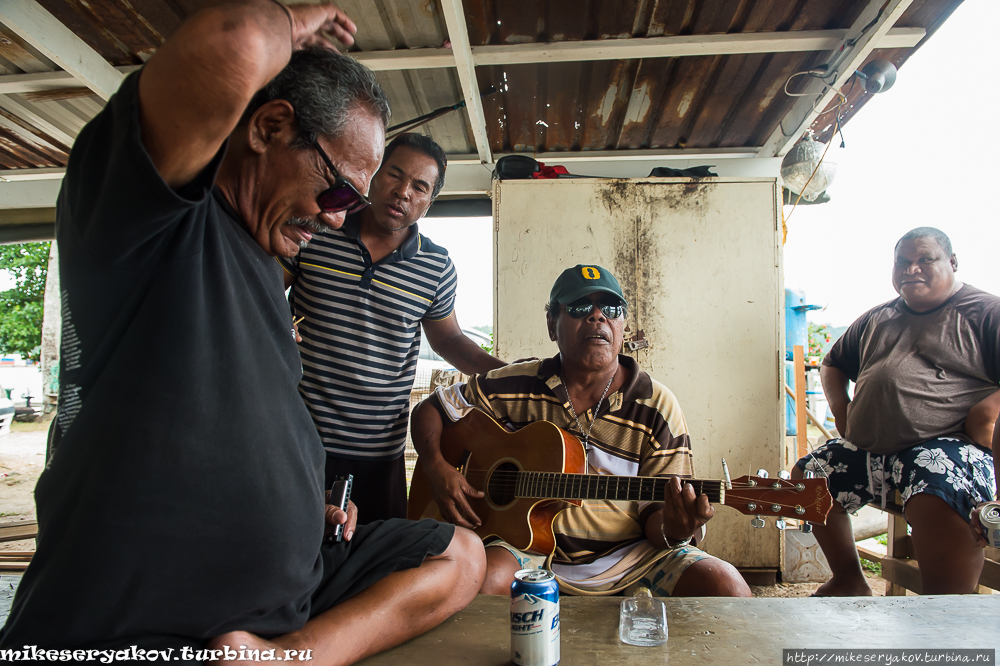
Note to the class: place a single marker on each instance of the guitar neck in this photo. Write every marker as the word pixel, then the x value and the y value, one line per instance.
pixel 555 485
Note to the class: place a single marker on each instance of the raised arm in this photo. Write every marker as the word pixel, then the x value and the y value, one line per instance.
pixel 193 92
pixel 446 338
pixel 447 484
pixel 835 384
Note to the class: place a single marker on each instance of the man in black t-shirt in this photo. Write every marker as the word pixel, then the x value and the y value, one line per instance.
pixel 182 448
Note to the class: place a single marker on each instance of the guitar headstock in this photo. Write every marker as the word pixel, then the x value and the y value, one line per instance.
pixel 804 499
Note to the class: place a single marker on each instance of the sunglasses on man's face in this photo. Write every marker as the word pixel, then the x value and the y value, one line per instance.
pixel 342 196
pixel 582 308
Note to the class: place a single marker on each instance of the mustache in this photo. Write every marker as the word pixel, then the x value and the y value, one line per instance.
pixel 311 225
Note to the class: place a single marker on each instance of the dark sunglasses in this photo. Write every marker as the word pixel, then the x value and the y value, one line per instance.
pixel 582 308
pixel 342 196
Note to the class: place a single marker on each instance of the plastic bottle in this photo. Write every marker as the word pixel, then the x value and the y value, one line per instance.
pixel 643 620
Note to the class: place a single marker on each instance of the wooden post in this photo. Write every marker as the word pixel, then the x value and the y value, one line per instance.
pixel 801 440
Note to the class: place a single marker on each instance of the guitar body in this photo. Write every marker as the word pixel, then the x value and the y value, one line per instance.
pixel 488 456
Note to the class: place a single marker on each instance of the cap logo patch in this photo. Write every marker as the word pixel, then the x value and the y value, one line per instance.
pixel 591 273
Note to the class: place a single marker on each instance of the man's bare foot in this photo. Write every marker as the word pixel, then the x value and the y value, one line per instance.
pixel 240 647
pixel 844 588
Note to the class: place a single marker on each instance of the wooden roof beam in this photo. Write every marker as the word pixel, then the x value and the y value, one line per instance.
pixel 458 33
pixel 46 81
pixel 35 25
pixel 849 55
pixel 655 47
pixel 682 46
pixel 624 49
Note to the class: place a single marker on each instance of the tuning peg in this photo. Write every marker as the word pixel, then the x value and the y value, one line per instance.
pixel 805 527
pixel 762 473
pixel 810 474
pixel 757 522
pixel 780 523
pixel 784 475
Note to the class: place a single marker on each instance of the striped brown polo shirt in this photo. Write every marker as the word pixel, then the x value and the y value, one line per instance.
pixel 640 431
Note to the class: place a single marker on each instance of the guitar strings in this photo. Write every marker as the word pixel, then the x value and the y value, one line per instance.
pixel 508 480
pixel 514 476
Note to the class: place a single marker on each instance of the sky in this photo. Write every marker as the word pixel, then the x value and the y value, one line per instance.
pixel 916 155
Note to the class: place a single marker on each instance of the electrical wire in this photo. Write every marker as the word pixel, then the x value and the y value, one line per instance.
pixel 805 94
pixel 839 128
pixel 868 27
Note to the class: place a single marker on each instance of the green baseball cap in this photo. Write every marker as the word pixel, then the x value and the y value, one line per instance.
pixel 583 280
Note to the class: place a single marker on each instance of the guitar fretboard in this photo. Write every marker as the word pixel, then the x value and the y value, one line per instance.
pixel 555 485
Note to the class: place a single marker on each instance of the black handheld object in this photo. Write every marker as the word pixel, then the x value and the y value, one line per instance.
pixel 339 495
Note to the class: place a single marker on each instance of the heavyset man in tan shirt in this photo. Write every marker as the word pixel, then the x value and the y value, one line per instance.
pixel 926 367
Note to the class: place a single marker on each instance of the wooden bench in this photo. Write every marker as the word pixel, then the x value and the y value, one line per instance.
pixel 17 560
pixel 900 569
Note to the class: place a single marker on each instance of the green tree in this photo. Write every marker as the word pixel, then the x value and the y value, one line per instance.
pixel 21 307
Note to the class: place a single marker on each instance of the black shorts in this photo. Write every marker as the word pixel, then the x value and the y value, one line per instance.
pixel 375 551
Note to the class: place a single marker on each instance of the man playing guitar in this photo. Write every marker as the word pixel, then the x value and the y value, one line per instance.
pixel 629 424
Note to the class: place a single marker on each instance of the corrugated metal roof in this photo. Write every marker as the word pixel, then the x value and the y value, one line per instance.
pixel 721 101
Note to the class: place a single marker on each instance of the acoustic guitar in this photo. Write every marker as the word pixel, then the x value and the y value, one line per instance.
pixel 529 476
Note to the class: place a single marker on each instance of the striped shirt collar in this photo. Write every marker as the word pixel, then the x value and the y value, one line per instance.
pixel 408 250
pixel 638 386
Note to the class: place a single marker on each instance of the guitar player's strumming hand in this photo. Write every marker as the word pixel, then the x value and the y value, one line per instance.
pixel 451 490
pixel 684 513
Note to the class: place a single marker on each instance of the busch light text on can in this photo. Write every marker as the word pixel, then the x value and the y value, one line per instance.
pixel 989 518
pixel 534 618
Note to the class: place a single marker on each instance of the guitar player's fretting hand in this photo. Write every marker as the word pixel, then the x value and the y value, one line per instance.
pixel 450 489
pixel 684 513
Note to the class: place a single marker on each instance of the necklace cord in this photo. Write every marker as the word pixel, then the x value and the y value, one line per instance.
pixel 597 409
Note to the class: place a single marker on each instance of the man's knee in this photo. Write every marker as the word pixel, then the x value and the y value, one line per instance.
pixel 501 565
pixel 466 549
pixel 711 577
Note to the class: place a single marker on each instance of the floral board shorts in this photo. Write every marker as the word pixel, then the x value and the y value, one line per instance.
pixel 659 577
pixel 958 472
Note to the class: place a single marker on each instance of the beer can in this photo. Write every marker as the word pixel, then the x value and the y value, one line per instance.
pixel 534 618
pixel 989 518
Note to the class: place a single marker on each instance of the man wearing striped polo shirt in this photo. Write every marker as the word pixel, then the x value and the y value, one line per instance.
pixel 365 290
pixel 630 425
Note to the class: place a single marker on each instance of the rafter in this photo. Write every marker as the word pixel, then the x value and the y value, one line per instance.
pixel 656 47
pixel 55 41
pixel 680 46
pixel 458 33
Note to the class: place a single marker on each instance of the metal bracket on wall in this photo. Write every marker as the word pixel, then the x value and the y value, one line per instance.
pixel 637 342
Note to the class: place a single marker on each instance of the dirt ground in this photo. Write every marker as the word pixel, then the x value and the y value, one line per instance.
pixel 22 455
pixel 877 584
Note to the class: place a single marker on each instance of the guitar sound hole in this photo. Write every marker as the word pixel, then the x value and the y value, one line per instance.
pixel 500 488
